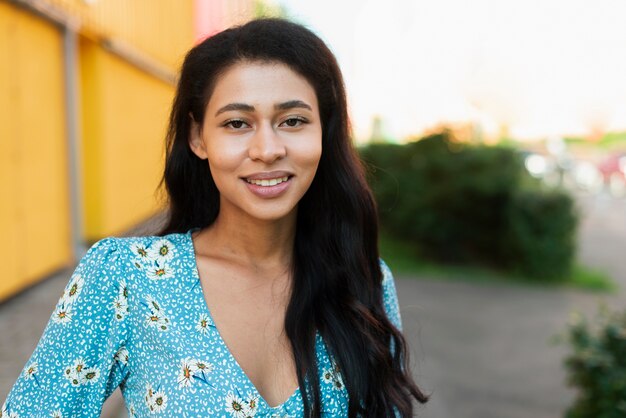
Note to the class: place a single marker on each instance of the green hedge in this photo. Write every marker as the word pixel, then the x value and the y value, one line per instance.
pixel 597 366
pixel 466 204
pixel 541 234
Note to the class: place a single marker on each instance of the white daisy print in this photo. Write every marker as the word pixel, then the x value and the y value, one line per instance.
pixel 120 305
pixel 56 414
pixel 202 366
pixel 73 289
pixel 203 324
pixel 76 379
pixel 149 393
pixel 201 369
pixel 161 251
pixel 91 374
pixel 185 375
pixel 252 403
pixel 156 271
pixel 131 411
pixel 158 320
pixel 156 401
pixel 30 370
pixel 333 377
pixel 76 367
pixel 338 382
pixel 122 355
pixel 235 406
pixel 159 402
pixel 327 376
pixel 62 314
pixel 139 250
pixel 123 289
pixel 78 374
pixel 192 370
pixel 5 413
pixel 153 304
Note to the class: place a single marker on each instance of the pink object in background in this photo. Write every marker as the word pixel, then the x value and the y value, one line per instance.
pixel 208 18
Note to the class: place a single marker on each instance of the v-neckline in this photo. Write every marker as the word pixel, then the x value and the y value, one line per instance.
pixel 207 311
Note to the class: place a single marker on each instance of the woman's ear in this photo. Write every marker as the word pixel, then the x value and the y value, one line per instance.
pixel 195 139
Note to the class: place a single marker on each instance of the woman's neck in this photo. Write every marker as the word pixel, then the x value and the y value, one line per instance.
pixel 262 245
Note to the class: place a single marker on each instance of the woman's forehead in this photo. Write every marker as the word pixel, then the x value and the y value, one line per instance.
pixel 260 83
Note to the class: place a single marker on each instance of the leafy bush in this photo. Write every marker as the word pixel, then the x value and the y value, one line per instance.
pixel 597 366
pixel 465 204
pixel 541 238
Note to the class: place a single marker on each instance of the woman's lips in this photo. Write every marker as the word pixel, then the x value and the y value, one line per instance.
pixel 269 191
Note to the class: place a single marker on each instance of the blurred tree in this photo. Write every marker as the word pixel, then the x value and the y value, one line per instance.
pixel 268 8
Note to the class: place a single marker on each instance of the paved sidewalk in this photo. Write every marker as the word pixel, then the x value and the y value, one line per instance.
pixel 483 350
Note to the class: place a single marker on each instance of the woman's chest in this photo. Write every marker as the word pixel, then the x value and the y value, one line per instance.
pixel 179 365
pixel 248 310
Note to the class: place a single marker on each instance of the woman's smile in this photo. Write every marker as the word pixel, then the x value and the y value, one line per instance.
pixel 268 185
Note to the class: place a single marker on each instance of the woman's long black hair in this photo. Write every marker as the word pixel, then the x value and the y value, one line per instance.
pixel 337 278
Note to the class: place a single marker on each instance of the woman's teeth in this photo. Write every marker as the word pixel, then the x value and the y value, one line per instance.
pixel 269 182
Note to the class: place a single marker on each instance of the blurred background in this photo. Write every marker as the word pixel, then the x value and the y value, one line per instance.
pixel 493 133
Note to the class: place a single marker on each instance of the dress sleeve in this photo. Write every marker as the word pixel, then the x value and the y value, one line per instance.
pixel 390 296
pixel 81 357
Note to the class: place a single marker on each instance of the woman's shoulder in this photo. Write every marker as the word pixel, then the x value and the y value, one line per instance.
pixel 159 248
pixel 155 256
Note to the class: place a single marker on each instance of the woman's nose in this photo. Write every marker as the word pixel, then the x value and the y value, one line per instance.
pixel 266 145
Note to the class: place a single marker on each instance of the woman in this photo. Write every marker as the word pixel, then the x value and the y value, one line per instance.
pixel 264 294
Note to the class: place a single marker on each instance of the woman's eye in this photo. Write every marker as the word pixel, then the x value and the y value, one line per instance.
pixel 294 122
pixel 235 124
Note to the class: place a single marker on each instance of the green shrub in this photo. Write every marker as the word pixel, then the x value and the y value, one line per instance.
pixel 464 204
pixel 541 234
pixel 597 366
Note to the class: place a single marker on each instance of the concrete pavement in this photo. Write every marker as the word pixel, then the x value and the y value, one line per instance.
pixel 484 350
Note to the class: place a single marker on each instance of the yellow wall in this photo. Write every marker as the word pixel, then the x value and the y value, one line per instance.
pixel 33 166
pixel 161 29
pixel 123 116
pixel 125 113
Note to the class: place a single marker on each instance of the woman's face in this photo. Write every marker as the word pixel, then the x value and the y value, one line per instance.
pixel 262 137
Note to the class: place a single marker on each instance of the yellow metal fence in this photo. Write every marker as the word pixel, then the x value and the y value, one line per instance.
pixel 122 117
pixel 33 219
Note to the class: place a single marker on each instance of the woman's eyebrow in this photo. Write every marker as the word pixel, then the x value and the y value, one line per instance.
pixel 235 106
pixel 291 104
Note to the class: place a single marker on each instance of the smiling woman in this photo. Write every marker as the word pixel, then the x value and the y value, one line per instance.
pixel 264 294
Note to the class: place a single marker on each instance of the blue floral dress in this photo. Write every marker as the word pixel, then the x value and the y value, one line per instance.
pixel 134 315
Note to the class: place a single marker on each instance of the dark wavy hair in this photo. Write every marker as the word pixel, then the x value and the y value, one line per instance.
pixel 337 278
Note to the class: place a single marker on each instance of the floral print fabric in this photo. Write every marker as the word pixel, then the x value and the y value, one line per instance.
pixel 133 315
